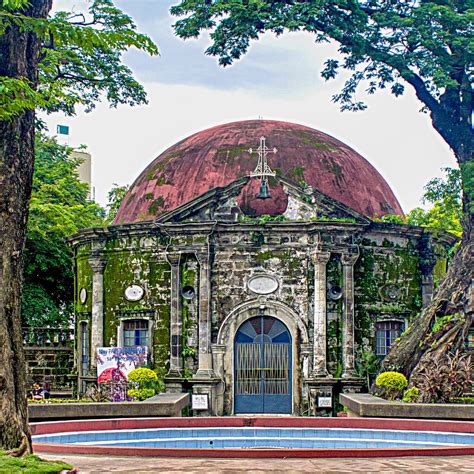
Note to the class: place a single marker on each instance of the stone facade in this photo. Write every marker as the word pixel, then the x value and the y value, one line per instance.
pixel 326 272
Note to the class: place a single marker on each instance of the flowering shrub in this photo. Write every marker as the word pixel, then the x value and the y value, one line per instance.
pixel 109 391
pixel 392 383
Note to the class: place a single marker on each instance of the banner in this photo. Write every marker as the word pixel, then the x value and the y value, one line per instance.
pixel 115 363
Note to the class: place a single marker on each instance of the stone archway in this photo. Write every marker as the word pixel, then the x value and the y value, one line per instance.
pixel 229 328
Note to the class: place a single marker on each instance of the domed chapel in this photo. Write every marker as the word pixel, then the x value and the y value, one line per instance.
pixel 249 259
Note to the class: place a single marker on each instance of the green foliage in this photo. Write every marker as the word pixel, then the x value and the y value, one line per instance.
pixel 442 321
pixel 31 463
pixel 145 378
pixel 350 220
pixel 141 393
pixel 445 196
pixel 114 199
pixel 445 378
pixel 148 383
pixel 81 60
pixel 367 365
pixel 463 400
pixel 392 383
pixel 411 395
pixel 261 220
pixel 59 207
pixel 60 400
pixel 188 351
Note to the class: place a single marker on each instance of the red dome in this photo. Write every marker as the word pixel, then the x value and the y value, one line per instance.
pixel 219 155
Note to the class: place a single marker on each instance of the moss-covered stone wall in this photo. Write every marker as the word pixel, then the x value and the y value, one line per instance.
pixel 387 285
pixel 387 279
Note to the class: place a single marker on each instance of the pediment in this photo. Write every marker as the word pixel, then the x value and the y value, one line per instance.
pixel 222 204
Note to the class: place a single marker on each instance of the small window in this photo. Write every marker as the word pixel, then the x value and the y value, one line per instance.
pixel 135 333
pixel 387 332
pixel 84 338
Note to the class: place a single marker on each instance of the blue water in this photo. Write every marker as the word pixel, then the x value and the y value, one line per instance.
pixel 232 437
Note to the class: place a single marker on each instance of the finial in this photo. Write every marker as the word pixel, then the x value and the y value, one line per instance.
pixel 263 170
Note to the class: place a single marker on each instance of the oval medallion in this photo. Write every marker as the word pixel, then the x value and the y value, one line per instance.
pixel 83 295
pixel 134 293
pixel 262 284
pixel 390 292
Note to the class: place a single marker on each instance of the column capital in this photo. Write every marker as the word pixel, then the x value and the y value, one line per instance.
pixel 218 348
pixel 202 257
pixel 97 263
pixel 349 259
pixel 318 256
pixel 173 258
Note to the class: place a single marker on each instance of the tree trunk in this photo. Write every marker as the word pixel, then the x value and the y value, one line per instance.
pixel 454 297
pixel 420 344
pixel 19 55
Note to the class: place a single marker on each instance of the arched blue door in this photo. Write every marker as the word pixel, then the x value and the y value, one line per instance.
pixel 262 362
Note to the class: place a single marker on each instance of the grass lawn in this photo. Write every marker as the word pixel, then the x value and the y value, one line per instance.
pixel 31 463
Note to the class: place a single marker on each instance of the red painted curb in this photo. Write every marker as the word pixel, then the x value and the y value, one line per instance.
pixel 373 423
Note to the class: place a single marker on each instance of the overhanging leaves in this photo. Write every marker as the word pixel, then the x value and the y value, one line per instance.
pixel 81 61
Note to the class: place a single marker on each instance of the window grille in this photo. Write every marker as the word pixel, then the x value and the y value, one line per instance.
pixel 84 334
pixel 387 332
pixel 135 333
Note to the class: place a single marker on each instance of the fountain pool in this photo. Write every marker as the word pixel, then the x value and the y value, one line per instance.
pixel 256 437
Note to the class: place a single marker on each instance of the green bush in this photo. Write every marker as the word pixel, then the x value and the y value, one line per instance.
pixel 145 378
pixel 392 383
pixel 411 395
pixel 60 400
pixel 146 382
pixel 141 393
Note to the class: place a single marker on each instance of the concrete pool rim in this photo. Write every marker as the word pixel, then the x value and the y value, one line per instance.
pixel 253 421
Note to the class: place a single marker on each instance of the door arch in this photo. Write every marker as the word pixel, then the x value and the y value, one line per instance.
pixel 263 366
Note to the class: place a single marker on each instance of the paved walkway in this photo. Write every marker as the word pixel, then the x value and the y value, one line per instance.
pixel 98 464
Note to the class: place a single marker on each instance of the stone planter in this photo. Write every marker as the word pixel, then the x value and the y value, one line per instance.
pixel 365 405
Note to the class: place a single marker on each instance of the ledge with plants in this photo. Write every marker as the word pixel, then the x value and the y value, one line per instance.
pixel 444 389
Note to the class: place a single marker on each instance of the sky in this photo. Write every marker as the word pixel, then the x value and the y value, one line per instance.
pixel 278 79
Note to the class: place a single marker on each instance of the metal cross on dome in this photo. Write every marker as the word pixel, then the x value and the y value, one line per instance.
pixel 262 169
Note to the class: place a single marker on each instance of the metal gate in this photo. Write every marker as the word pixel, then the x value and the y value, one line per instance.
pixel 262 367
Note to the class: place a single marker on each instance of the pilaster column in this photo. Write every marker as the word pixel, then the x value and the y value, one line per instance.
pixel 427 263
pixel 205 369
pixel 320 260
pixel 97 263
pixel 348 341
pixel 175 316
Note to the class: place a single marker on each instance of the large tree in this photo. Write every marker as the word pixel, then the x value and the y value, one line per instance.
pixel 59 207
pixel 53 63
pixel 425 44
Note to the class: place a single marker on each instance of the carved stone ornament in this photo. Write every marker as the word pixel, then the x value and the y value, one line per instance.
pixel 134 293
pixel 390 292
pixel 262 284
pixel 83 295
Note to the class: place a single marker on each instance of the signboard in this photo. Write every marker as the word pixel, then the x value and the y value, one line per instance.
pixel 62 130
pixel 324 402
pixel 115 363
pixel 200 401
